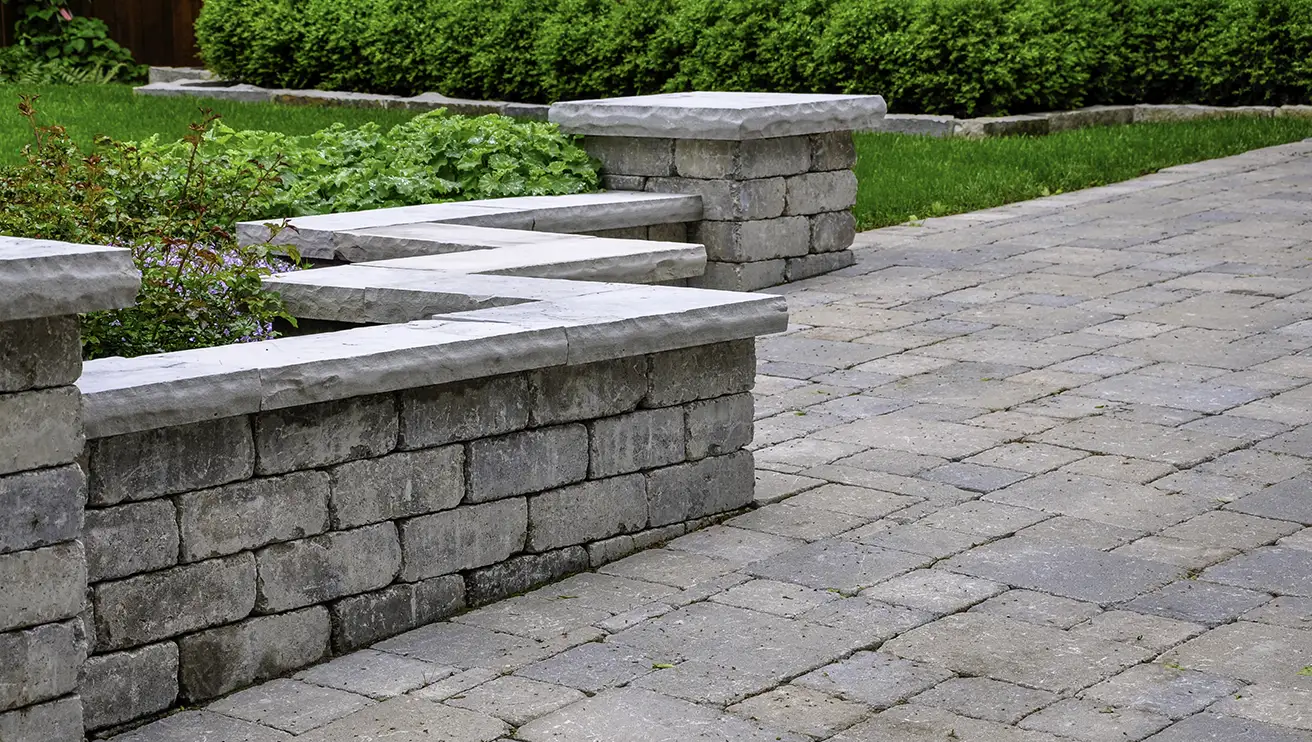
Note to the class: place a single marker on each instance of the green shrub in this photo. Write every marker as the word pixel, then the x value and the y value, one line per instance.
pixel 964 57
pixel 53 46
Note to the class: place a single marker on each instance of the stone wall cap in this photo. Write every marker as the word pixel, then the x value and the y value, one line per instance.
pixel 45 278
pixel 715 115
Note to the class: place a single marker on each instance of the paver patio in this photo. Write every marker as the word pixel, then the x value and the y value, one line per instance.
pixel 1037 473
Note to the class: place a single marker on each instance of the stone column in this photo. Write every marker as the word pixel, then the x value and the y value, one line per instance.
pixel 43 573
pixel 774 171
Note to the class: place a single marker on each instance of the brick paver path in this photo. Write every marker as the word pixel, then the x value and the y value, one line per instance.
pixel 1032 474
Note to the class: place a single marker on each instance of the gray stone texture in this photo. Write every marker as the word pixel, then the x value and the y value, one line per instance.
pixel 718 426
pixel 739 160
pixel 327 433
pixel 412 718
pixel 640 440
pixel 39 664
pixel 432 416
pixel 360 620
pixel 463 538
pixel 198 595
pixel 321 568
pixel 529 461
pixel 129 539
pixel 751 276
pixel 835 150
pixel 221 660
pixel 587 512
pixel 631 156
pixel 570 393
pixel 754 240
pixel 814 193
pixel 165 461
pixel 712 485
pixel 730 200
pixel 39 353
pixel 42 429
pixel 42 585
pixel 517 574
pixel 399 485
pixel 832 231
pixel 46 278
pixel 701 372
pixel 810 266
pixel 41 507
pixel 123 686
pixel 251 514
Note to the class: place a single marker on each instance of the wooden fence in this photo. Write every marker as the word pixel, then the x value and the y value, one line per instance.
pixel 159 32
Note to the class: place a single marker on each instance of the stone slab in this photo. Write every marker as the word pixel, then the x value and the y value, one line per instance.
pixel 45 278
pixel 634 715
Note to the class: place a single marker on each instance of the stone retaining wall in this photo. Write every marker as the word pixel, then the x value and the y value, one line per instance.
pixel 229 551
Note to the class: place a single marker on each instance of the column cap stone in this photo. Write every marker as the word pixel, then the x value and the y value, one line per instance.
pixel 726 116
pixel 45 278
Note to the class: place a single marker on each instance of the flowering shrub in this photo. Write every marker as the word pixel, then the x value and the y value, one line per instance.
pixel 175 210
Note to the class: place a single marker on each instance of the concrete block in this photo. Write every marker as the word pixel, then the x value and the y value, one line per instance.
pixel 251 514
pixel 568 393
pixel 129 539
pixel 464 538
pixel 917 124
pixel 522 573
pixel 530 461
pixel 631 156
pixel 833 151
pixel 818 264
pixel 220 660
pixel 813 193
pixel 58 720
pixel 587 512
pixel 128 612
pixel 701 372
pixel 42 585
pixel 41 507
pixel 832 231
pixel 123 686
pixel 761 239
pixel 326 433
pixel 1093 116
pixel 436 415
pixel 726 200
pixel 39 664
pixel 361 620
pixel 333 565
pixel 671 232
pixel 639 440
pixel 165 461
pixel 740 276
pixel 1294 112
pixel 742 160
pixel 718 426
pixel 42 428
pixel 1004 126
pixel 1149 113
pixel 712 485
pixel 613 182
pixel 39 353
pixel 398 485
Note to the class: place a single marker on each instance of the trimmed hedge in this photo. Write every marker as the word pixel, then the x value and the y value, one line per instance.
pixel 963 57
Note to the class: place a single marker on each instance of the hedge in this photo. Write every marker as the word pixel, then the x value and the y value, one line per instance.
pixel 963 57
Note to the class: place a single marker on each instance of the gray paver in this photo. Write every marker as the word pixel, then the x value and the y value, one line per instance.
pixel 378 675
pixel 407 719
pixel 1286 706
pixel 206 726
pixel 913 723
pixel 1169 691
pixel 873 678
pixel 290 705
pixel 1086 721
pixel 594 666
pixel 934 590
pixel 1291 501
pixel 1150 632
pixel 801 710
pixel 982 698
pixel 1273 568
pixel 1069 571
pixel 1038 608
pixel 837 565
pixel 634 715
pixel 1198 602
pixel 1218 728
pixel 1115 503
pixel 1251 652
pixel 515 700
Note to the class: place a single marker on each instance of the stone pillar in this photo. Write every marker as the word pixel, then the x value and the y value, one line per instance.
pixel 43 573
pixel 774 171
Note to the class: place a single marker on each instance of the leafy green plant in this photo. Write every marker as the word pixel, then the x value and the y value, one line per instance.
pixel 55 46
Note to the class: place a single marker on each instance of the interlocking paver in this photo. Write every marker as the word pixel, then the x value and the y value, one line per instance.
pixel 1274 568
pixel 1038 608
pixel 1218 728
pixel 914 723
pixel 801 710
pixel 1123 504
pixel 837 565
pixel 1251 652
pixel 634 715
pixel 1092 723
pixel 1197 601
pixel 515 700
pixel 982 698
pixel 1290 501
pixel 290 705
pixel 876 679
pixel 378 675
pixel 1169 691
pixel 407 718
pixel 1069 571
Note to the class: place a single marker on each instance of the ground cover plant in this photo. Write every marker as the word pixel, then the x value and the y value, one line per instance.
pixel 905 178
pixel 962 57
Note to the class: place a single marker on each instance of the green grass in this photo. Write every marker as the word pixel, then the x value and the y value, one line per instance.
pixel 88 111
pixel 904 177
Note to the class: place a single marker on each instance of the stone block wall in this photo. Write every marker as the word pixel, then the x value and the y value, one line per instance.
pixel 225 552
pixel 775 210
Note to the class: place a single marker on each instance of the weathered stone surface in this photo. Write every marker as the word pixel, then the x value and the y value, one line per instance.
pixel 741 160
pixel 433 416
pixel 712 485
pixel 411 718
pixel 639 440
pixel 813 193
pixel 582 392
pixel 634 715
pixel 1248 651
pixel 1150 632
pixel 714 115
pixel 203 725
pixel 45 278
pixel 540 460
pixel 1198 602
pixel 632 156
pixel 164 461
pixel 758 274
pixel 612 182
pixel 833 151
pixel 396 486
pixel 466 647
pixel 290 705
pixel 516 700
pixel 1003 126
pixel 837 565
pixel 517 574
pixel 917 124
pixel 42 428
pixel 39 664
pixel 1069 571
pixel 832 231
pixel 463 538
pixel 1082 118
pixel 42 585
pixel 1275 569
pixel 198 595
pixel 754 240
pixel 730 200
pixel 809 266
pixel 124 686
pixel 377 675
pixel 587 512
pixel 61 720
pixel 1218 728
pixel 326 433
pixel 1168 691
pixel 701 372
pixel 718 426
pixel 876 679
pixel 1087 721
pixel 251 514
pixel 934 590
pixel 321 568
pixel 361 620
pixel 220 660
pixel 41 507
pixel 592 667
pixel 128 539
pixel 39 353
pixel 1038 608
pixel 1286 501
pixel 982 698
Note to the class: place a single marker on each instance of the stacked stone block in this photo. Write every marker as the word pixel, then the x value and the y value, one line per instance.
pixel 775 210
pixel 226 552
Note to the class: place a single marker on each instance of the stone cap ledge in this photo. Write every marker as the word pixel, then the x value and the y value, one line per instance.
pixel 129 395
pixel 46 278
pixel 716 115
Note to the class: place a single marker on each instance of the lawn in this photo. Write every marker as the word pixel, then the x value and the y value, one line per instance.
pixel 905 177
